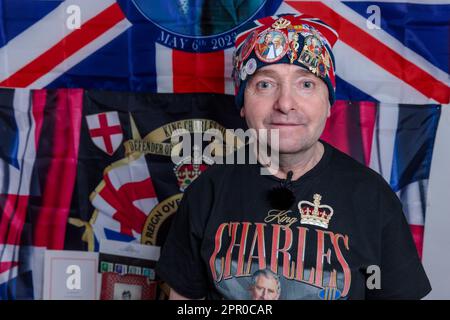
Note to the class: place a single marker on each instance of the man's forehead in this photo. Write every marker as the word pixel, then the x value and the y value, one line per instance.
pixel 280 70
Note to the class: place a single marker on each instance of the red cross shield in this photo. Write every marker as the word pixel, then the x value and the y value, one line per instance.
pixel 105 131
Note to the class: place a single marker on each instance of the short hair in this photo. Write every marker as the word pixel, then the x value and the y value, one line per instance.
pixel 268 274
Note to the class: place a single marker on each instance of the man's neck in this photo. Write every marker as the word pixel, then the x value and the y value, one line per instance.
pixel 299 163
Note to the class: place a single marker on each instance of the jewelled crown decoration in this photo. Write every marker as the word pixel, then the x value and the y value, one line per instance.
pixel 315 214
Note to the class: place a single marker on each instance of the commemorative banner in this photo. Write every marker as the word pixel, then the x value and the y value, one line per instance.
pixel 131 195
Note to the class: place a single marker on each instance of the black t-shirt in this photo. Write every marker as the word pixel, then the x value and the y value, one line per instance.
pixel 227 242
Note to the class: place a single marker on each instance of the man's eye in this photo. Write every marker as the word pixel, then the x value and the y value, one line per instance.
pixel 308 84
pixel 263 85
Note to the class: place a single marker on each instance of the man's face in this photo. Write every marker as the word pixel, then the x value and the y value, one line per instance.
pixel 265 288
pixel 288 98
pixel 268 38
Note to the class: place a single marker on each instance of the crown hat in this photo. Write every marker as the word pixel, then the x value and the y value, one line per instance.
pixel 292 39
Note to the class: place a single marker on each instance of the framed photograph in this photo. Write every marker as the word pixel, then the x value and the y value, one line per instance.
pixel 127 287
pixel 71 275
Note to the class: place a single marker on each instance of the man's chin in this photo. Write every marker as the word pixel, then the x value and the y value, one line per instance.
pixel 292 149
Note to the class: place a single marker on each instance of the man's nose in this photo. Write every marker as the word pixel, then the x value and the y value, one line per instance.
pixel 285 100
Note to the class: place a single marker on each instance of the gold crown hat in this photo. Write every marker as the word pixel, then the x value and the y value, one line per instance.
pixel 293 39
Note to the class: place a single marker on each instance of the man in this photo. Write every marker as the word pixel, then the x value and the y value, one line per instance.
pixel 319 223
pixel 265 46
pixel 265 285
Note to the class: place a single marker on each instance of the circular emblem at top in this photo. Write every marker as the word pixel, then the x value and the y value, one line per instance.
pixel 196 25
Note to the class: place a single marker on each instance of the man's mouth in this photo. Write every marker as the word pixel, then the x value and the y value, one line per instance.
pixel 285 124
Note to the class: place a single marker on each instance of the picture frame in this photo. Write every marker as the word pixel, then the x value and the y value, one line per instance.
pixel 127 287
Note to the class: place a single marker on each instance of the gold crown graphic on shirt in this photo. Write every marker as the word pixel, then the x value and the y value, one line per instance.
pixel 315 214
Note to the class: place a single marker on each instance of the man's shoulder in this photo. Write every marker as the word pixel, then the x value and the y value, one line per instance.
pixel 352 169
pixel 368 184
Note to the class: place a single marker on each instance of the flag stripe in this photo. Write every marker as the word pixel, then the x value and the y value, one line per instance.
pixel 414 143
pixel 413 197
pixel 337 127
pixel 66 47
pixel 377 51
pixel 350 128
pixel 4 266
pixel 367 118
pixel 206 68
pixel 10 255
pixel 164 72
pixel 65 68
pixel 353 133
pixel 38 101
pixel 10 139
pixel 390 41
pixel 52 217
pixel 52 25
pixel 417 233
pixel 419 44
pixel 13 217
pixel 384 140
pixel 5 288
pixel 21 179
pixel 13 204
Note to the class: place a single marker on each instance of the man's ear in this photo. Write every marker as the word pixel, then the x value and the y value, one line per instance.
pixel 329 109
pixel 242 112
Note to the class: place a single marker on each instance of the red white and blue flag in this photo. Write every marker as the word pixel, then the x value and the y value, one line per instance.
pixel 19 128
pixel 392 80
